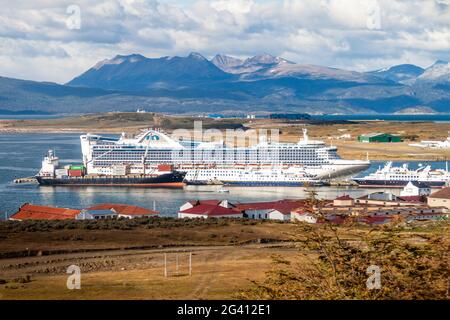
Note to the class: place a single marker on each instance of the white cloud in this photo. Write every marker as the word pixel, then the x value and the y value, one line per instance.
pixel 36 44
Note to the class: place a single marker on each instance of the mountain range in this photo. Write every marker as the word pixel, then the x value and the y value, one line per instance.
pixel 262 83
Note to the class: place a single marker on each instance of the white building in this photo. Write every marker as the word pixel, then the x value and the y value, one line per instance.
pixel 96 214
pixel 273 210
pixel 302 216
pixel 415 189
pixel 191 204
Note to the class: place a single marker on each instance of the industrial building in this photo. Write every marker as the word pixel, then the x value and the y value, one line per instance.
pixel 379 137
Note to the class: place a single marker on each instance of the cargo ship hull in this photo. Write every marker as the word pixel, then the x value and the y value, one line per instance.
pixel 168 180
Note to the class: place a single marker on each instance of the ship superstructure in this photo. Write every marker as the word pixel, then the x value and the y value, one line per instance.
pixel 392 176
pixel 263 163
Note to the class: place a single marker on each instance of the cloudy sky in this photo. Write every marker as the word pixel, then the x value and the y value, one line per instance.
pixel 55 40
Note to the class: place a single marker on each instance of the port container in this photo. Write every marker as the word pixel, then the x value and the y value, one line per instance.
pixel 67 167
pixel 75 173
pixel 120 170
pixel 61 172
pixel 165 167
pixel 77 167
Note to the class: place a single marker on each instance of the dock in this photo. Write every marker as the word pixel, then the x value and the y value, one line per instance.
pixel 342 183
pixel 26 180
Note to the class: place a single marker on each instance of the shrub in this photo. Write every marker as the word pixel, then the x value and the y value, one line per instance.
pixel 331 267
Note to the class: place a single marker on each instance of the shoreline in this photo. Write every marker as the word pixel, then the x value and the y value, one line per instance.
pixel 290 131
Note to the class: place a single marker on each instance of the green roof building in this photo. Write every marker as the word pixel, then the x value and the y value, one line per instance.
pixel 379 137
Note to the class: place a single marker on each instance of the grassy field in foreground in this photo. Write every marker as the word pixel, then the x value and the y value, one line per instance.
pixel 216 274
pixel 231 259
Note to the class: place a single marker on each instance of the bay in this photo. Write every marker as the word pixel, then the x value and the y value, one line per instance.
pixel 21 156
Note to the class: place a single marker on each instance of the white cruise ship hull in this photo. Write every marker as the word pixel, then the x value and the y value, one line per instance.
pixel 250 177
pixel 338 169
pixel 390 176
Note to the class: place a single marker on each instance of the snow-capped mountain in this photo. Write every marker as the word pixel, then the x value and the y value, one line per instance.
pixel 305 71
pixel 403 73
pixel 249 65
pixel 439 72
pixel 226 63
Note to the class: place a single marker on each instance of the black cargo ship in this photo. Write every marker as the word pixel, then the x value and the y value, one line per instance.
pixel 167 180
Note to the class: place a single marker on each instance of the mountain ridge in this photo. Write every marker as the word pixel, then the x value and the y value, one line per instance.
pixel 225 83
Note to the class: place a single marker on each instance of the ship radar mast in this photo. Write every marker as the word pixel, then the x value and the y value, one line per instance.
pixel 305 135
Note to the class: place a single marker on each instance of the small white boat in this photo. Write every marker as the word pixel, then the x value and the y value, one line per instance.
pixel 223 191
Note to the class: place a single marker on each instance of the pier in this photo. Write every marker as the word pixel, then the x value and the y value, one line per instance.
pixel 341 183
pixel 26 180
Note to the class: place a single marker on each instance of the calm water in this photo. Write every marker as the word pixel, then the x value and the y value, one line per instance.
pixel 30 116
pixel 21 155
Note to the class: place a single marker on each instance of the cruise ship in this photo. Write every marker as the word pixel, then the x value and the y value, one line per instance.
pixel 390 176
pixel 264 163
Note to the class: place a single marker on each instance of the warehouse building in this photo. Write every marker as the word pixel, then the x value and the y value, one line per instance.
pixel 379 137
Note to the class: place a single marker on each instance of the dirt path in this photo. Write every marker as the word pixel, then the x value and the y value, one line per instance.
pixel 217 272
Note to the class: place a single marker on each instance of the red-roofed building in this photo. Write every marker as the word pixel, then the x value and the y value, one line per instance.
pixel 274 210
pixel 210 211
pixel 376 219
pixel 35 212
pixel 413 199
pixel 125 210
pixel 440 198
pixel 345 200
pixel 193 203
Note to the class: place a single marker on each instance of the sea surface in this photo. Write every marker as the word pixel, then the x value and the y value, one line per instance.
pixel 21 156
pixel 355 117
pixel 387 117
pixel 31 116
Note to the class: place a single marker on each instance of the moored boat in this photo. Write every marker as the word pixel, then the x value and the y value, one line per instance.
pixel 51 174
pixel 390 176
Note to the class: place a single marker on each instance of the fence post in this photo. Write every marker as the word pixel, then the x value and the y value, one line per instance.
pixel 165 265
pixel 177 262
pixel 190 263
